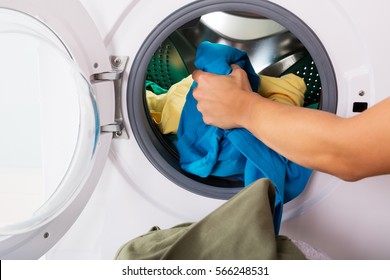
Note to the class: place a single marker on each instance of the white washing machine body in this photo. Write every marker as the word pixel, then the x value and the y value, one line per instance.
pixel 135 192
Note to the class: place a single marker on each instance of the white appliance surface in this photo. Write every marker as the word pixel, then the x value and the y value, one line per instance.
pixel 344 220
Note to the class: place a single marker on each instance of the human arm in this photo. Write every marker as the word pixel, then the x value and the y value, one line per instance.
pixel 351 148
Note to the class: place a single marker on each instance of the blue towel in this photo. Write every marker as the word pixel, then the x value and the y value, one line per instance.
pixel 207 150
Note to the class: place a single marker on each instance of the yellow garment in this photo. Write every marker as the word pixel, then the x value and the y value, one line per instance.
pixel 288 89
pixel 166 109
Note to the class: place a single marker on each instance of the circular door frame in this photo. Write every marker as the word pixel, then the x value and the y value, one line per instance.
pixel 84 43
pixel 143 132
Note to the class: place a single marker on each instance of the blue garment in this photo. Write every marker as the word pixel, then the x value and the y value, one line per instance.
pixel 207 150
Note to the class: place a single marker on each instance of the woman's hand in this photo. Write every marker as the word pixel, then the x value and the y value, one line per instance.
pixel 224 101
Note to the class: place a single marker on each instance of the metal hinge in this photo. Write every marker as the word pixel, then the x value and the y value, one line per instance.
pixel 118 64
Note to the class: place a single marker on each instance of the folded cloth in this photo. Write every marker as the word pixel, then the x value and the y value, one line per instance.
pixel 240 229
pixel 288 89
pixel 207 150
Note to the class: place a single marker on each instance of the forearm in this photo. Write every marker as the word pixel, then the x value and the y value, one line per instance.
pixel 351 148
pixel 312 138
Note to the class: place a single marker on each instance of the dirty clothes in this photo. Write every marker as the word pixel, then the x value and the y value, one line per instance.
pixel 207 150
pixel 154 87
pixel 240 229
pixel 288 89
pixel 166 109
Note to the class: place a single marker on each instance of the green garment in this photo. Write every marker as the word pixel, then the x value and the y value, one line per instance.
pixel 155 88
pixel 242 228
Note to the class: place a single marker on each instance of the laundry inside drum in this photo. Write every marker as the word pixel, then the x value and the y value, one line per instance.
pixel 275 54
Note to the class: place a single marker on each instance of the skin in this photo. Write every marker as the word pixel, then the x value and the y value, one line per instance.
pixel 349 148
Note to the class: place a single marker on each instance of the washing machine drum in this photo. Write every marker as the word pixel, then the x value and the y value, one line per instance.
pixel 167 57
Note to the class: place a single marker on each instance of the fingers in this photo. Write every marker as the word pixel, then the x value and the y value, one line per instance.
pixel 197 74
pixel 206 81
pixel 200 76
pixel 235 67
pixel 237 71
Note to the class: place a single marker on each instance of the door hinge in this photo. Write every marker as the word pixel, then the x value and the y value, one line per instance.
pixel 118 64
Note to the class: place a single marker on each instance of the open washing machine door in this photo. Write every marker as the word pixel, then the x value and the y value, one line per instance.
pixel 56 136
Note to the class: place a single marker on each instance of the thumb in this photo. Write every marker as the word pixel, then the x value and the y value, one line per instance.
pixel 237 70
pixel 235 67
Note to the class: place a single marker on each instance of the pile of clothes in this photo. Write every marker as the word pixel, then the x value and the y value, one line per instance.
pixel 240 229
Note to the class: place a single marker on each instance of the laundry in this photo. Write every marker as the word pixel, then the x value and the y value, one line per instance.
pixel 207 150
pixel 154 87
pixel 240 229
pixel 288 89
pixel 165 106
pixel 166 109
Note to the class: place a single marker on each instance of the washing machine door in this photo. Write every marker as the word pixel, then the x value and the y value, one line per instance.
pixel 52 145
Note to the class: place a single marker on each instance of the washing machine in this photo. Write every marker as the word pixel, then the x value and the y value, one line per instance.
pixel 83 168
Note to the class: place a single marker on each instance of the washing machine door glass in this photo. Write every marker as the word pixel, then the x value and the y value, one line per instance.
pixel 49 123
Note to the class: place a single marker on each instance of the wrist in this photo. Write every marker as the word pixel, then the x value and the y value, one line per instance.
pixel 249 109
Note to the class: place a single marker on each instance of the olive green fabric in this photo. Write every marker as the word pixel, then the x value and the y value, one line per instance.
pixel 242 228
